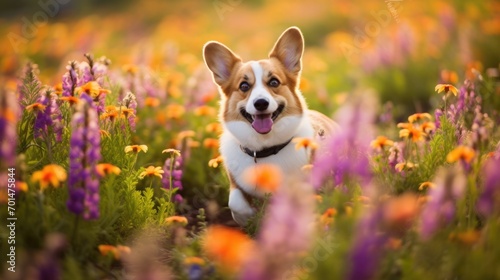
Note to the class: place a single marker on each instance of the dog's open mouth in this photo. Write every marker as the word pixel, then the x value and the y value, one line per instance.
pixel 262 123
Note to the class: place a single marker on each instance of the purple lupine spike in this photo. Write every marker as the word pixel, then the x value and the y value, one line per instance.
pixel 70 79
pixel 368 246
pixel 440 210
pixel 8 133
pixel 347 151
pixel 50 119
pixel 85 73
pixel 291 210
pixel 83 183
pixel 175 175
pixel 488 202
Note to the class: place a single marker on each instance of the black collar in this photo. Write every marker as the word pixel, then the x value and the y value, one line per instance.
pixel 266 151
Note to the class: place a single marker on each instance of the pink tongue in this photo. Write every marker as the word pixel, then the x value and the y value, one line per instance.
pixel 262 123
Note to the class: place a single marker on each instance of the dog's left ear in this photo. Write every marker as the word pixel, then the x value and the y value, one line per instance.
pixel 289 48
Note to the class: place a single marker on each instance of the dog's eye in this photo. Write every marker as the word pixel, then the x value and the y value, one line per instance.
pixel 274 82
pixel 244 86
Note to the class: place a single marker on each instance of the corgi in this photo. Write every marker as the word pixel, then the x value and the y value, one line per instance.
pixel 261 111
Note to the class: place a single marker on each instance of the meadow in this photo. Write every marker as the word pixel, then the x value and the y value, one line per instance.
pixel 109 142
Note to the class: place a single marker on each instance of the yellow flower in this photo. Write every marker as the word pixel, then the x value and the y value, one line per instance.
pixel 92 88
pixel 176 220
pixel 304 143
pixel 462 153
pixel 104 169
pixel 152 171
pixel 136 148
pixel 265 177
pixel 214 163
pixel 228 248
pixel 425 185
pixel 37 107
pixel 175 111
pixel 70 99
pixel 205 110
pixel 50 175
pixel 151 102
pixel 381 142
pixel 194 260
pixel 175 152
pixel 419 116
pixel 446 88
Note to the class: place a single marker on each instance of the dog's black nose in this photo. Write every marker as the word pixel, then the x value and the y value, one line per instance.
pixel 261 104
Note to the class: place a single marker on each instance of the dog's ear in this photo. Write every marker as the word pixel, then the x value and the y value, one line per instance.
pixel 289 48
pixel 220 60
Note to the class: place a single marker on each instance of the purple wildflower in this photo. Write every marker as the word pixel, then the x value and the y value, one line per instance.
pixel 450 187
pixel 291 210
pixel 50 119
pixel 70 79
pixel 368 246
pixel 83 183
pixel 347 151
pixel 396 154
pixel 488 200
pixel 173 173
pixel 8 134
pixel 130 102
pixel 437 116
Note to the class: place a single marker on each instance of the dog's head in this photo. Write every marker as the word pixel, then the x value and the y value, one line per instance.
pixel 263 94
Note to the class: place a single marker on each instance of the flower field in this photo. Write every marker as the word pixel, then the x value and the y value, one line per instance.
pixel 109 142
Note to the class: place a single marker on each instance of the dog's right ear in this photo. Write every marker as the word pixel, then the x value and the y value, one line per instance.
pixel 220 60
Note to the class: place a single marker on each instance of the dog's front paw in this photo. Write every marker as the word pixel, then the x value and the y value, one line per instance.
pixel 240 208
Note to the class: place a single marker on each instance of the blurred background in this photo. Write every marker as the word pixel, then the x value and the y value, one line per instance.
pixel 400 48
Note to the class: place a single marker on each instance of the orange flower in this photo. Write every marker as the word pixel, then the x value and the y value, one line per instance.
pixel 419 116
pixel 70 99
pixel 104 169
pixel 449 76
pixel 37 107
pixel 393 243
pixel 151 102
pixel 50 175
pixel 111 115
pixel 404 125
pixel 185 134
pixel 126 111
pixel 426 185
pixel 136 148
pixel 21 186
pixel 468 237
pixel 381 142
pixel 327 217
pixel 175 111
pixel 152 171
pixel 116 251
pixel 428 127
pixel 176 220
pixel 205 110
pixel 412 133
pixel 405 166
pixel 265 177
pixel 211 143
pixel 58 89
pixel 92 88
pixel 304 143
pixel 400 212
pixel 129 68
pixel 446 88
pixel 227 247
pixel 214 128
pixel 214 163
pixel 462 153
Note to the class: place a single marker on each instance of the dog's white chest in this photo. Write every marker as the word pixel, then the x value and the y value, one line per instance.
pixel 288 159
